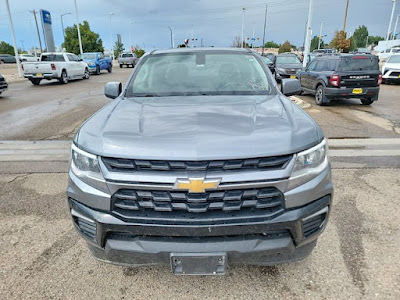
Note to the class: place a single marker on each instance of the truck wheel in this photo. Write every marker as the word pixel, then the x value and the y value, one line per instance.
pixel 64 77
pixel 367 101
pixel 87 74
pixel 320 97
pixel 98 70
pixel 35 81
pixel 109 68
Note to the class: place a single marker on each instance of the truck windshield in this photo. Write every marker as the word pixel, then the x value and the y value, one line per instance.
pixel 199 73
pixel 52 57
pixel 289 59
pixel 358 63
pixel 88 56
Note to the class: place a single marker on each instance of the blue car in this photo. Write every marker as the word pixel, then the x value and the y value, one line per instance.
pixel 97 62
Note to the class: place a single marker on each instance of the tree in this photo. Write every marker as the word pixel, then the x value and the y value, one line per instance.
pixel 236 42
pixel 373 40
pixel 6 48
pixel 340 42
pixel 118 48
pixel 360 36
pixel 271 44
pixel 314 43
pixel 138 51
pixel 286 47
pixel 91 41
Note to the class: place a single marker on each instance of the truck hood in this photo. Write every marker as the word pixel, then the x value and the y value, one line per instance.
pixel 199 128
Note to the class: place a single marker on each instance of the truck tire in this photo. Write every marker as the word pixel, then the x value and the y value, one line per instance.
pixel 109 68
pixel 35 81
pixel 320 97
pixel 64 77
pixel 98 70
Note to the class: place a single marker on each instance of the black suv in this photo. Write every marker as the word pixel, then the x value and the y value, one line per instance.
pixel 342 76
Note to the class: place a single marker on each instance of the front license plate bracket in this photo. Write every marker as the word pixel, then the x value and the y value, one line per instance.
pixel 198 263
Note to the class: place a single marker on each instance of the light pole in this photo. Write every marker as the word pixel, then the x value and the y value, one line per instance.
pixel 79 31
pixel 320 34
pixel 37 29
pixel 244 10
pixel 309 33
pixel 345 17
pixel 395 27
pixel 265 26
pixel 22 42
pixel 391 20
pixel 13 39
pixel 172 40
pixel 111 43
pixel 130 35
pixel 62 24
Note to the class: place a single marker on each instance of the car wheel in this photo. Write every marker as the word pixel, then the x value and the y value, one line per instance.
pixel 320 97
pixel 109 69
pixel 367 101
pixel 87 74
pixel 64 77
pixel 98 70
pixel 35 81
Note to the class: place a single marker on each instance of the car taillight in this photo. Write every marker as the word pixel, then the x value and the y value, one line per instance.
pixel 334 80
pixel 379 79
pixel 53 66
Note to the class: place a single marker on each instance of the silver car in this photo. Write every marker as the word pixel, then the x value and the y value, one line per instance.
pixel 200 162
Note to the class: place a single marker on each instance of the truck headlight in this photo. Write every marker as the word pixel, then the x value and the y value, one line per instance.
pixel 86 167
pixel 309 164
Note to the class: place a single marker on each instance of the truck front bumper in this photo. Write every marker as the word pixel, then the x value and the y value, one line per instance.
pixel 289 237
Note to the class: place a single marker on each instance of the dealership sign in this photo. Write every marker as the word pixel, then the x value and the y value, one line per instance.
pixel 47 30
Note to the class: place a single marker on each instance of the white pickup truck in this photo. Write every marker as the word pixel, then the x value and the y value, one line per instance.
pixel 60 66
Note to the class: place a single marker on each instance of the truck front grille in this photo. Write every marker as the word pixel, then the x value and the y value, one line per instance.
pixel 131 165
pixel 220 204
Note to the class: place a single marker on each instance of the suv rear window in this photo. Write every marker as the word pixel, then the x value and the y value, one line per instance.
pixel 357 63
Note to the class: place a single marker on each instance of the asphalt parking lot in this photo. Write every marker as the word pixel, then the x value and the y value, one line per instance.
pixel 42 257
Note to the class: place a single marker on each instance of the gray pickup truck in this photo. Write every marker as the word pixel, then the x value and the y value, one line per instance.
pixel 127 59
pixel 200 162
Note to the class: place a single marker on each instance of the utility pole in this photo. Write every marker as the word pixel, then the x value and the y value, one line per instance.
pixel 77 26
pixel 395 27
pixel 253 38
pixel 130 36
pixel 62 24
pixel 391 20
pixel 244 10
pixel 366 44
pixel 265 26
pixel 320 34
pixel 37 28
pixel 111 43
pixel 13 39
pixel 172 40
pixel 309 33
pixel 345 16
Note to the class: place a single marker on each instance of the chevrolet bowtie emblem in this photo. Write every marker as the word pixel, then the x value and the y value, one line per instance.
pixel 196 185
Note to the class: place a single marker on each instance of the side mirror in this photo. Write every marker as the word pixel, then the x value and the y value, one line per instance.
pixel 113 89
pixel 290 87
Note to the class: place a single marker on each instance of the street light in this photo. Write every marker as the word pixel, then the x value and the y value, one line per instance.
pixel 172 39
pixel 130 35
pixel 79 31
pixel 62 24
pixel 244 10
pixel 111 44
pixel 395 27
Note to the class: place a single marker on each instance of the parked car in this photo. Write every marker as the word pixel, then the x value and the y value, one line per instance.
pixel 27 57
pixel 385 54
pixel 7 59
pixel 269 63
pixel 286 66
pixel 342 76
pixel 391 69
pixel 127 59
pixel 198 162
pixel 97 62
pixel 61 66
pixel 3 84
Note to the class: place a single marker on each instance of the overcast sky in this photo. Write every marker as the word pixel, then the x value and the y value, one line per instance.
pixel 216 22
